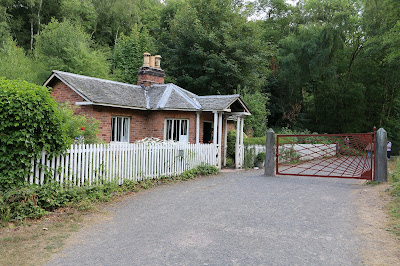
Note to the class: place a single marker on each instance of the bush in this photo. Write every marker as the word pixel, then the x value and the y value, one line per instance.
pixel 30 123
pixel 79 125
pixel 260 157
pixel 255 141
pixel 249 156
pixel 231 142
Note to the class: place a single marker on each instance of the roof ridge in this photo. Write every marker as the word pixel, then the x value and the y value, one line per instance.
pixel 192 102
pixel 218 96
pixel 99 79
pixel 164 98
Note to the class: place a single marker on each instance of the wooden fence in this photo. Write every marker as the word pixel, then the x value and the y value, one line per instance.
pixel 87 164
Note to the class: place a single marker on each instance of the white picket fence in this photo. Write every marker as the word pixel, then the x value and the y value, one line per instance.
pixel 88 164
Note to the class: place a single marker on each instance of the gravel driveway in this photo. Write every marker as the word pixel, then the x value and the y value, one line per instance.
pixel 240 218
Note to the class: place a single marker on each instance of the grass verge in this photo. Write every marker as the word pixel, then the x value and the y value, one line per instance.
pixel 394 206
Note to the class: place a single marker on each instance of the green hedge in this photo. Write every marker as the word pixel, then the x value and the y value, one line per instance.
pixel 30 122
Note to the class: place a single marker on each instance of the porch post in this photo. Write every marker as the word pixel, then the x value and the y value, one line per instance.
pixel 219 139
pixel 215 129
pixel 197 127
pixel 241 130
pixel 237 148
pixel 215 139
pixel 225 138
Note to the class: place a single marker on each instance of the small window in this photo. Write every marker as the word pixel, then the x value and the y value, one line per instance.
pixel 177 130
pixel 120 129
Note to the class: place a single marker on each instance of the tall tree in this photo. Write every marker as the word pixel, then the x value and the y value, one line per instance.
pixel 65 46
pixel 211 48
pixel 128 54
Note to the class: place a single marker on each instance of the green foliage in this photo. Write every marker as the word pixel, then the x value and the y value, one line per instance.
pixel 255 141
pixel 15 64
pixel 81 12
pixel 204 169
pixel 21 203
pixel 257 102
pixel 260 157
pixel 79 125
pixel 211 48
pixel 231 144
pixel 33 201
pixel 66 47
pixel 128 54
pixel 394 210
pixel 249 156
pixel 30 123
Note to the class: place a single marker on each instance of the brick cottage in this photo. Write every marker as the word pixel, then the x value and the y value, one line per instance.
pixel 128 112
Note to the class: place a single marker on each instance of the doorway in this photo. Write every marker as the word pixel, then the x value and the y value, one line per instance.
pixel 207 132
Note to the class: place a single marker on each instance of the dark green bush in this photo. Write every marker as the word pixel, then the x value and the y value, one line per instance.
pixel 30 123
pixel 260 157
pixel 231 142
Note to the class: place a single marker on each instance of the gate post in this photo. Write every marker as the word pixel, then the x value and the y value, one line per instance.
pixel 269 169
pixel 381 174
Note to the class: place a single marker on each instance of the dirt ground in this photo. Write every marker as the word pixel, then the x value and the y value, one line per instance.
pixel 379 246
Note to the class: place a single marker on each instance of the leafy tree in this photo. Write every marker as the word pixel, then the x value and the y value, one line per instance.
pixel 113 19
pixel 30 123
pixel 211 48
pixel 15 64
pixel 26 18
pixel 65 46
pixel 257 103
pixel 81 12
pixel 128 54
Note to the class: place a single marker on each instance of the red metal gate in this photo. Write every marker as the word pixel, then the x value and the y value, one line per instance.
pixel 334 155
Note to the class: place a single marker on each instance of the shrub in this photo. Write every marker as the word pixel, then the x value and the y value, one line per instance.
pixel 30 123
pixel 248 160
pixel 260 157
pixel 79 125
pixel 255 141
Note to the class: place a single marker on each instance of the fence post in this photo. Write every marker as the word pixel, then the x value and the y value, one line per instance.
pixel 270 154
pixel 381 174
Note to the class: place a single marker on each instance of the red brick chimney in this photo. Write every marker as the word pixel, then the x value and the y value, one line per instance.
pixel 151 73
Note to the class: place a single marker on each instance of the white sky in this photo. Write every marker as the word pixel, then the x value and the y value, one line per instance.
pixel 292 2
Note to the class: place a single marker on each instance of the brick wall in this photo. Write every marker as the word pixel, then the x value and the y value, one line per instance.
pixel 143 123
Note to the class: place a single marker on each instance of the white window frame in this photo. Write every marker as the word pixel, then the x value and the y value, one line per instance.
pixel 170 135
pixel 125 121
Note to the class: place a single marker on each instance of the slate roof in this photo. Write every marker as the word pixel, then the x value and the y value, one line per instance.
pixel 157 97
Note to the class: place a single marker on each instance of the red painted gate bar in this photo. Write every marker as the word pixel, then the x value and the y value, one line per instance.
pixel 326 155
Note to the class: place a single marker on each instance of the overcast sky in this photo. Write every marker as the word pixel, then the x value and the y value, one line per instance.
pixel 292 2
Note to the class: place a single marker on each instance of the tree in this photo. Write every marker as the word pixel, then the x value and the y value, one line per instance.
pixel 15 64
pixel 65 46
pixel 257 103
pixel 81 12
pixel 128 54
pixel 211 48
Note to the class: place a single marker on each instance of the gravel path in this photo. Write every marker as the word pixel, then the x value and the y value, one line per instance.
pixel 241 218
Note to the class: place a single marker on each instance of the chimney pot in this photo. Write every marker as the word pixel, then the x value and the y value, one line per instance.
pixel 158 61
pixel 152 61
pixel 146 59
